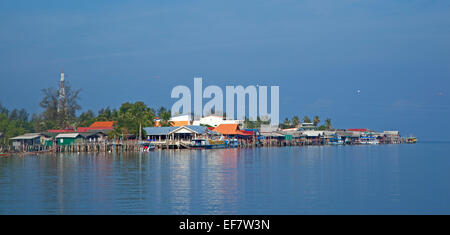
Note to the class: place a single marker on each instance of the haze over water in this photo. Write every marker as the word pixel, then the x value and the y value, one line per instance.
pixel 385 179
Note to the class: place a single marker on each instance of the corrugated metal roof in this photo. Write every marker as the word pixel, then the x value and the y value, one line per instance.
pixel 271 134
pixel 348 133
pixel 164 130
pixel 68 135
pixel 27 136
pixel 268 128
pixel 313 133
pixel 198 129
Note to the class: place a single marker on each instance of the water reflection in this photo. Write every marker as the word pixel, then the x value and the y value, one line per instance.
pixel 298 180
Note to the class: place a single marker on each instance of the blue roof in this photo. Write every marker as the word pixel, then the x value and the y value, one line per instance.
pixel 198 129
pixel 165 130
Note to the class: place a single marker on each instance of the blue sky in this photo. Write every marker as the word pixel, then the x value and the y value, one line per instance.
pixel 319 53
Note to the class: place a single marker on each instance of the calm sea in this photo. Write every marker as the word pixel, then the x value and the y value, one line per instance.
pixel 385 179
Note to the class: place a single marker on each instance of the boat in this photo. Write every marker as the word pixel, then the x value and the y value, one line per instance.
pixel 338 142
pixel 4 154
pixel 369 140
pixel 411 140
pixel 335 140
pixel 207 144
pixel 147 147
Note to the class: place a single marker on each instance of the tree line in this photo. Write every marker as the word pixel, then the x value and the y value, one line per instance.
pixel 130 118
pixel 290 123
pixel 295 123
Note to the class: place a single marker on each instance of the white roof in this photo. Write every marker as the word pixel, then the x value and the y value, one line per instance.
pixel 329 132
pixel 268 128
pixel 27 136
pixel 313 133
pixel 271 134
pixel 184 117
pixel 391 132
pixel 68 135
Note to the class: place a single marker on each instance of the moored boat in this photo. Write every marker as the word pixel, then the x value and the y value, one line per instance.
pixel 147 147
pixel 411 140
pixel 207 144
pixel 336 140
pixel 369 140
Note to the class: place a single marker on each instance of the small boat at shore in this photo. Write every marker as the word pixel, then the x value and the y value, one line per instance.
pixel 207 144
pixel 4 154
pixel 335 140
pixel 369 140
pixel 411 140
pixel 147 147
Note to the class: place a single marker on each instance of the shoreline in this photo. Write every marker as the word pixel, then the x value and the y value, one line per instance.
pixel 24 154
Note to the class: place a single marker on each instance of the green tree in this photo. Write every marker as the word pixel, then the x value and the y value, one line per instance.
pixel 328 123
pixel 164 116
pixel 295 121
pixel 286 123
pixel 67 115
pixel 132 117
pixel 316 120
pixel 14 123
pixel 86 118
pixel 306 119
pixel 104 114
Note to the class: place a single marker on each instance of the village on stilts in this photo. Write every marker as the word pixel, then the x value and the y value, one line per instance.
pixel 209 132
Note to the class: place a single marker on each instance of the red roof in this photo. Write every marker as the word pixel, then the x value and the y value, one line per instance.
pixel 246 133
pixel 361 130
pixel 83 129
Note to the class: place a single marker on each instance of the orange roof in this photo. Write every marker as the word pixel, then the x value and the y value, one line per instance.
pixel 102 125
pixel 180 123
pixel 173 123
pixel 227 129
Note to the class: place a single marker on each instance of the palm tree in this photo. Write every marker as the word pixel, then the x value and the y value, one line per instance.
pixel 165 118
pixel 286 123
pixel 306 119
pixel 316 120
pixel 295 121
pixel 142 115
pixel 328 123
